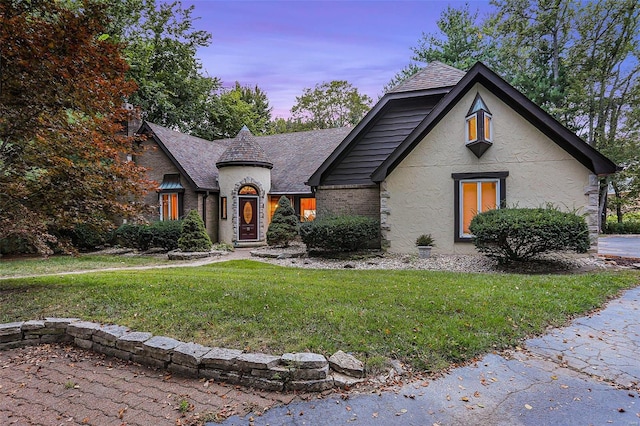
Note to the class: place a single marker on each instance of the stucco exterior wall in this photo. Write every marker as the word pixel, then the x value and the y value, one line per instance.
pixel 230 180
pixel 418 195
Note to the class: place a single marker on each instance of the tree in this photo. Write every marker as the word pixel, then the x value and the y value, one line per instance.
pixel 284 224
pixel 533 40
pixel 333 104
pixel 161 46
pixel 461 43
pixel 193 236
pixel 230 109
pixel 62 87
pixel 605 89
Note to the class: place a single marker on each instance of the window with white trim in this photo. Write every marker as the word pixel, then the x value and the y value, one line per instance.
pixel 169 206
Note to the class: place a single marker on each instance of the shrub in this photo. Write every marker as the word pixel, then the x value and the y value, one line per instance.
pixel 193 236
pixel 166 234
pixel 622 228
pixel 339 233
pixel 162 234
pixel 521 234
pixel 284 224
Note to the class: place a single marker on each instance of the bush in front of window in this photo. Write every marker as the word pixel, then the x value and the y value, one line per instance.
pixel 162 234
pixel 519 234
pixel 339 233
pixel 193 236
pixel 284 224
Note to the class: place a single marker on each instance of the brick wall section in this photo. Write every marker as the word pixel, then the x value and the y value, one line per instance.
pixel 157 165
pixel 363 200
pixel 306 372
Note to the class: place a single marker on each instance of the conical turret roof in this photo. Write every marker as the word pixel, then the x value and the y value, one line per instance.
pixel 244 151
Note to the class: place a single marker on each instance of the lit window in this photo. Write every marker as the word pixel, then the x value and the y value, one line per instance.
pixel 476 193
pixel 223 207
pixel 307 209
pixel 169 208
pixel 248 190
pixel 479 127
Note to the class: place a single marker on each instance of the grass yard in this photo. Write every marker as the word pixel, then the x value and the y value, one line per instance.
pixel 429 319
pixel 21 266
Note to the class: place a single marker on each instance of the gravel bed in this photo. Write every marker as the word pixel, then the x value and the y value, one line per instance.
pixel 552 263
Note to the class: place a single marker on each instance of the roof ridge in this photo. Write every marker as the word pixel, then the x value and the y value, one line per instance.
pixel 435 74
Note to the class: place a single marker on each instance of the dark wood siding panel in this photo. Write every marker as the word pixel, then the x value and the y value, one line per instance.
pixel 379 141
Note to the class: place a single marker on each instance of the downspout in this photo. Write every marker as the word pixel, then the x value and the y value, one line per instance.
pixel 204 208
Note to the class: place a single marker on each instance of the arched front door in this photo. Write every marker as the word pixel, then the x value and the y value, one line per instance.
pixel 248 214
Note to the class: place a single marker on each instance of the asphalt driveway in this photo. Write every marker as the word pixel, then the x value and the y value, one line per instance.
pixel 619 245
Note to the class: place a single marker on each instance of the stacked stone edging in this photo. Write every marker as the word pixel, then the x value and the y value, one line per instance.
pixel 307 372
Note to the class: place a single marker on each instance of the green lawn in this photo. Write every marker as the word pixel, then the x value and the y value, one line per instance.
pixel 429 319
pixel 55 264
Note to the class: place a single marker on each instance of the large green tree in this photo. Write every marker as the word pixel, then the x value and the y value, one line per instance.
pixel 331 104
pixel 161 45
pixel 460 42
pixel 62 87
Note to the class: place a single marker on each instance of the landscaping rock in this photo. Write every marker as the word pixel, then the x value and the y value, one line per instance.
pixel 304 360
pixel 107 335
pixel 249 361
pixel 220 358
pixel 346 364
pixel 82 329
pixel 133 341
pixel 32 325
pixel 345 382
pixel 180 255
pixel 59 322
pixel 160 347
pixel 310 373
pixel 189 354
pixel 311 385
pixel 273 373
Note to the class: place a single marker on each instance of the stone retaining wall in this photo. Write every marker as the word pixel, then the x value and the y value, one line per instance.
pixel 307 372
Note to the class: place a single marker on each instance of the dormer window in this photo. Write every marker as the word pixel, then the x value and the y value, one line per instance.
pixel 479 127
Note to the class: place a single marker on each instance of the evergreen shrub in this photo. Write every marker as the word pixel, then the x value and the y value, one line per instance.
pixel 193 236
pixel 284 224
pixel 339 233
pixel 521 234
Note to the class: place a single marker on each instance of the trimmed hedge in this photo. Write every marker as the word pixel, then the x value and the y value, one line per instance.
pixel 521 234
pixel 162 234
pixel 622 228
pixel 339 233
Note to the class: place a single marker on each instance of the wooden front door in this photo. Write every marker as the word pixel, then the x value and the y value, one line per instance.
pixel 248 219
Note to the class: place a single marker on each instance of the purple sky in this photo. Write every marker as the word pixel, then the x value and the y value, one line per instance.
pixel 286 46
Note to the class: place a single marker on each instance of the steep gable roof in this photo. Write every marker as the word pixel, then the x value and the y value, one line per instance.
pixel 480 73
pixel 244 150
pixel 435 74
pixel 385 126
pixel 194 157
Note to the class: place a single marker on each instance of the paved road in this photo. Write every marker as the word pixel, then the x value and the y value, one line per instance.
pixel 619 245
pixel 587 373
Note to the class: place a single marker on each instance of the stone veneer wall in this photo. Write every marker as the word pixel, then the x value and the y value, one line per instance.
pixel 292 371
pixel 591 212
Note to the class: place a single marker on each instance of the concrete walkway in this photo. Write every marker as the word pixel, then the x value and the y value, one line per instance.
pixel 619 245
pixel 587 373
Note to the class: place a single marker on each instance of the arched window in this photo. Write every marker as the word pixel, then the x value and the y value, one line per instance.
pixel 248 190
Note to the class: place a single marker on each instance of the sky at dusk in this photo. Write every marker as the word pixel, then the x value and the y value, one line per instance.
pixel 286 46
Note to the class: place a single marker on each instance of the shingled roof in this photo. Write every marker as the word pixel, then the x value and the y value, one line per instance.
pixel 434 75
pixel 244 150
pixel 194 157
pixel 294 156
